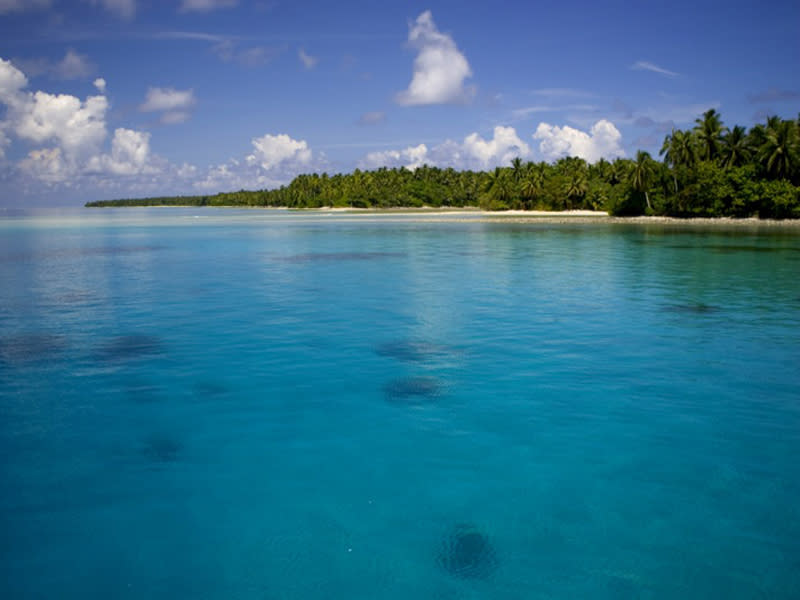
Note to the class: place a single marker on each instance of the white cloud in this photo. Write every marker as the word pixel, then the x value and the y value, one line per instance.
pixel 643 65
pixel 100 84
pixel 74 131
pixel 309 62
pixel 275 160
pixel 412 158
pixel 166 99
pixel 9 6
pixel 130 152
pixel 78 126
pixel 206 5
pixel 47 165
pixel 272 151
pixel 122 8
pixel 602 141
pixel 439 68
pixel 474 152
pixel 504 146
pixel 12 80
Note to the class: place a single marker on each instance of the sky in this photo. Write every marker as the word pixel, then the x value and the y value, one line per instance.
pixel 104 99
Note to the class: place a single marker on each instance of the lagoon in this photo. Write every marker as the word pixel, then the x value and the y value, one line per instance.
pixel 271 404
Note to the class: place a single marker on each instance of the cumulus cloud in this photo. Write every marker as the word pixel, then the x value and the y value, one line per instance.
pixel 47 165
pixel 504 145
pixel 412 158
pixel 602 141
pixel 272 151
pixel 77 126
pixel 74 128
pixel 72 131
pixel 122 8
pixel 309 62
pixel 474 152
pixel 175 105
pixel 162 99
pixel 275 160
pixel 9 6
pixel 206 5
pixel 643 65
pixel 100 84
pixel 130 153
pixel 440 68
pixel 12 81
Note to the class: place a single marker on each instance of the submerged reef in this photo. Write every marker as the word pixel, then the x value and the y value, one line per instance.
pixel 30 347
pixel 129 347
pixel 468 553
pixel 696 309
pixel 412 350
pixel 413 390
pixel 160 448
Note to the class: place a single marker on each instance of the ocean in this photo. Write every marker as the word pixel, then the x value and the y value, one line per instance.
pixel 200 403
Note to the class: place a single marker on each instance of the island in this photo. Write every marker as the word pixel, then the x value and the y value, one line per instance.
pixel 708 171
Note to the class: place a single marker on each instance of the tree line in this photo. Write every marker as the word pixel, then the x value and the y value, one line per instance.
pixel 707 171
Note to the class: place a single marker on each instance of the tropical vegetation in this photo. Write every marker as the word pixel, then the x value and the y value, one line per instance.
pixel 707 171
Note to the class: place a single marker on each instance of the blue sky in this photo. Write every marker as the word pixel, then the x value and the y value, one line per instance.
pixel 128 98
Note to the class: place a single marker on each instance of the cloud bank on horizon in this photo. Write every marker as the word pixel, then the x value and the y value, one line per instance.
pixel 73 126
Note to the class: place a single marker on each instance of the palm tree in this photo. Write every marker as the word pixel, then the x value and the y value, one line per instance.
pixel 641 175
pixel 498 185
pixel 575 188
pixel 780 150
pixel 516 168
pixel 532 182
pixel 620 170
pixel 735 148
pixel 709 131
pixel 670 151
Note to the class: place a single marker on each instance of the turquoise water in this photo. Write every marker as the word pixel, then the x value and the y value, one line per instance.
pixel 247 404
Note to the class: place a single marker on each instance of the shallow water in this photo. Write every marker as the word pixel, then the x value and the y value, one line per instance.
pixel 252 404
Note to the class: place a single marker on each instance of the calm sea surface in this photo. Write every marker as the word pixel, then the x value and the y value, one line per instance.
pixel 249 404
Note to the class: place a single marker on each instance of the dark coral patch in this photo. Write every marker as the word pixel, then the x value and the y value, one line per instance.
pixel 696 309
pixel 413 390
pixel 129 347
pixel 161 449
pixel 30 347
pixel 468 553
pixel 411 350
pixel 209 388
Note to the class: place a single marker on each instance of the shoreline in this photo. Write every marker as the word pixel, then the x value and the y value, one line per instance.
pixel 545 216
pixel 454 214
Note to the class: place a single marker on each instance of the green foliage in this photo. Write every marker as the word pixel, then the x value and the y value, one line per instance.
pixel 710 171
